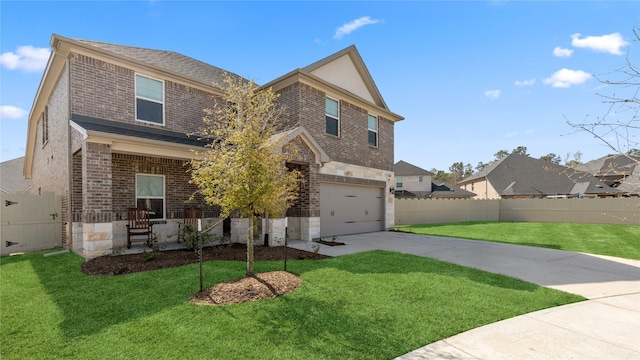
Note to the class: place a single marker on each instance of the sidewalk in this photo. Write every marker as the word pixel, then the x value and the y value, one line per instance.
pixel 607 326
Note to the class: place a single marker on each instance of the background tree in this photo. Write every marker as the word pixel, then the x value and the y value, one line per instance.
pixel 577 159
pixel 440 175
pixel 619 127
pixel 244 168
pixel 552 158
pixel 501 154
pixel 458 171
pixel 522 150
pixel 481 165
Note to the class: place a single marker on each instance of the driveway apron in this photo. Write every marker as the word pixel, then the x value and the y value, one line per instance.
pixel 607 326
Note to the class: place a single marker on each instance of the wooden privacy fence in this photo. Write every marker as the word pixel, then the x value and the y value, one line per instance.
pixel 30 222
pixel 586 211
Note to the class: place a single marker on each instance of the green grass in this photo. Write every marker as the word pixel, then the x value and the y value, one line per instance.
pixel 375 305
pixel 613 240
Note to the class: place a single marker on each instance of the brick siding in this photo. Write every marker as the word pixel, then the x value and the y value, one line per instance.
pixel 107 91
pixel 306 106
pixel 177 187
pixel 96 183
pixel 51 160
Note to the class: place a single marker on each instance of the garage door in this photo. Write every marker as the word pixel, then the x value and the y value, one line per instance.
pixel 350 209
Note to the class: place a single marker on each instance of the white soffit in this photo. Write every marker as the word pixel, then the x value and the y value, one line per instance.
pixel 342 73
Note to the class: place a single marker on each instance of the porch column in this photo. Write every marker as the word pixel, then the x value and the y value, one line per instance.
pixel 97 226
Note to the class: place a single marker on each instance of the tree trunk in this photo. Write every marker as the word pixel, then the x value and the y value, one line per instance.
pixel 250 247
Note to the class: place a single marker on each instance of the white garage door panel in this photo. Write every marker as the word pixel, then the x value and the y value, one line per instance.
pixel 349 209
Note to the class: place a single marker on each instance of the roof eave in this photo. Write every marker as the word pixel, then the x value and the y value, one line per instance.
pixel 52 71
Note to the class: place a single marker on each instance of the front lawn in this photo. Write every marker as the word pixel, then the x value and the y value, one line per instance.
pixel 374 305
pixel 613 240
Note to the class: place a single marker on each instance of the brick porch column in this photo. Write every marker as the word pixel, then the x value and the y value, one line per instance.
pixel 97 226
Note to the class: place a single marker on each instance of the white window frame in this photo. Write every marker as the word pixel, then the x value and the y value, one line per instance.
pixel 147 99
pixel 399 181
pixel 373 131
pixel 163 197
pixel 332 116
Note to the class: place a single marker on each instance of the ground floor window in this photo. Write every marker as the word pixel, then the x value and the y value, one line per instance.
pixel 150 194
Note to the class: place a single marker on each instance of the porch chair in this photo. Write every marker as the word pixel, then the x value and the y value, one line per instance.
pixel 191 216
pixel 139 225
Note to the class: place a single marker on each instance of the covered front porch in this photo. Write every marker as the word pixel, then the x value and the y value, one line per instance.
pixel 113 170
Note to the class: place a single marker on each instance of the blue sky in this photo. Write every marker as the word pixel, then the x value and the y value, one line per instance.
pixel 470 78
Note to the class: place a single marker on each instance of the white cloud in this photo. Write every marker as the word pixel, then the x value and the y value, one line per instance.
pixel 562 52
pixel 492 94
pixel 606 43
pixel 529 82
pixel 564 78
pixel 348 28
pixel 11 112
pixel 26 58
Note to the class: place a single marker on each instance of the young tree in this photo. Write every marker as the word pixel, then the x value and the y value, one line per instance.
pixel 244 168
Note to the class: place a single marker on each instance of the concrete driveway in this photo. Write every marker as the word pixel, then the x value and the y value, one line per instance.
pixel 607 326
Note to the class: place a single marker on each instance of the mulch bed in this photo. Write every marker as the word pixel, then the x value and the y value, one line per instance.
pixel 127 264
pixel 329 243
pixel 249 288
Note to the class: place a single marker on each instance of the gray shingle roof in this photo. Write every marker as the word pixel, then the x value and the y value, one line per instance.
pixel 446 190
pixel 522 175
pixel 168 60
pixel 402 168
pixel 616 164
pixel 614 168
pixel 139 131
pixel 11 178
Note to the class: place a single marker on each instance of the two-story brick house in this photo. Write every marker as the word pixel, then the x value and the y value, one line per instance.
pixel 107 131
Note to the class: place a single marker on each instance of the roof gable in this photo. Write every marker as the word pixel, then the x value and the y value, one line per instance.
pixel 402 168
pixel 346 70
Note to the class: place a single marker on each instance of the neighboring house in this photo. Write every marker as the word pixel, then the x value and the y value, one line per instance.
pixel 619 171
pixel 107 132
pixel 443 190
pixel 411 180
pixel 11 179
pixel 415 182
pixel 519 176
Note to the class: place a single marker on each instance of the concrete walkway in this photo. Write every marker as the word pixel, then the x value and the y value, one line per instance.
pixel 607 326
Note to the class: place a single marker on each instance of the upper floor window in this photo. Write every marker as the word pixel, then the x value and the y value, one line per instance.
pixel 373 130
pixel 149 100
pixel 150 194
pixel 332 117
pixel 398 181
pixel 420 179
pixel 45 125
